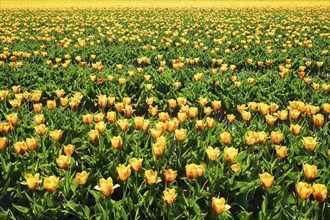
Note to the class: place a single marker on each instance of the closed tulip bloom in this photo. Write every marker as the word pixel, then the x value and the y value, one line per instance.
pixel 69 149
pixel 123 124
pixel 82 178
pixel 262 137
pixel 151 177
pixel 200 170
pixel 158 149
pixel 182 117
pixel 163 116
pixel 210 122
pixel 88 119
pixel 37 107
pixel 309 143
pixel 169 196
pixel 116 142
pixel 102 101
pixel 318 120
pixel 267 180
pixel 63 161
pixel 59 93
pixel 276 137
pixel 161 126
pixel 3 143
pixel 200 125
pixel 251 138
pixel 294 114
pixel 309 171
pixel 106 186
pixel 40 129
pixel 180 134
pixel 219 205
pixel 128 111
pixel 230 154
pixel 65 101
pixel 235 167
pixel 93 135
pixel 56 135
pixel 225 138
pixel 202 101
pixel 295 129
pixel 320 192
pixel 31 181
pixel 16 89
pixel 111 116
pixel 326 108
pixel 181 101
pixel 170 125
pixel 153 111
pixel 282 115
pixel 12 119
pixel 212 153
pixel 155 133
pixel 207 110
pixel 138 122
pixel 273 107
pixel 16 103
pixel 136 163
pixel 51 183
pixel 231 118
pixel 252 106
pixel 191 171
pixel 51 104
pixel 36 95
pixel 216 105
pixel 270 119
pixel 98 117
pixel 171 103
pixel 127 101
pixel 111 100
pixel 304 190
pixel 246 116
pixel 193 112
pixel 263 108
pixel 280 151
pixel 32 143
pixel 123 172
pixel 20 147
pixel 170 175
pixel 40 119
pixel 100 126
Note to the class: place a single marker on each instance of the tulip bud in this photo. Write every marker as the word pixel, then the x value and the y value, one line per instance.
pixel 267 180
pixel 51 183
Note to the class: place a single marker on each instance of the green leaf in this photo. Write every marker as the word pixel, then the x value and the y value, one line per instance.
pixel 21 209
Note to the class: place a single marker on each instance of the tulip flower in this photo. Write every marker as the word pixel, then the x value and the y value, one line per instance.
pixel 151 177
pixel 123 172
pixel 20 147
pixel 93 135
pixel 235 167
pixel 230 154
pixel 136 164
pixel 40 119
pixel 69 149
pixel 3 143
pixel 56 135
pixel 106 186
pixel 219 205
pixel 320 192
pixel 276 137
pixel 98 117
pixel 304 190
pixel 40 129
pixel 318 120
pixel 32 143
pixel 169 196
pixel 225 138
pixel 170 175
pixel 51 183
pixel 88 119
pixel 309 171
pixel 212 153
pixel 309 143
pixel 63 161
pixel 295 129
pixel 116 142
pixel 31 181
pixel 12 119
pixel 111 116
pixel 267 180
pixel 82 177
pixel 280 151
pixel 51 104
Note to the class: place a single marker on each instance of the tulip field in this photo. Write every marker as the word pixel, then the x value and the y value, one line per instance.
pixel 164 110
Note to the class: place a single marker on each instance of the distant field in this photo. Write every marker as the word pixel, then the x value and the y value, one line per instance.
pixel 35 4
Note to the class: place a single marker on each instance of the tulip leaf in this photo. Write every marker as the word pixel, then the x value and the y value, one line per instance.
pixel 21 209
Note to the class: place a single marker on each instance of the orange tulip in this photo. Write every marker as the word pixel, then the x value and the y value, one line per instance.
pixel 230 154
pixel 309 171
pixel 31 181
pixel 136 164
pixel 106 186
pixel 267 180
pixel 170 175
pixel 93 135
pixel 56 135
pixel 225 138
pixel 69 149
pixel 31 143
pixel 212 153
pixel 123 172
pixel 88 119
pixel 20 147
pixel 309 143
pixel 116 142
pixel 40 129
pixel 3 143
pixel 276 137
pixel 151 177
pixel 320 192
pixel 169 196
pixel 304 190
pixel 281 151
pixel 63 161
pixel 82 178
pixel 219 205
pixel 51 183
